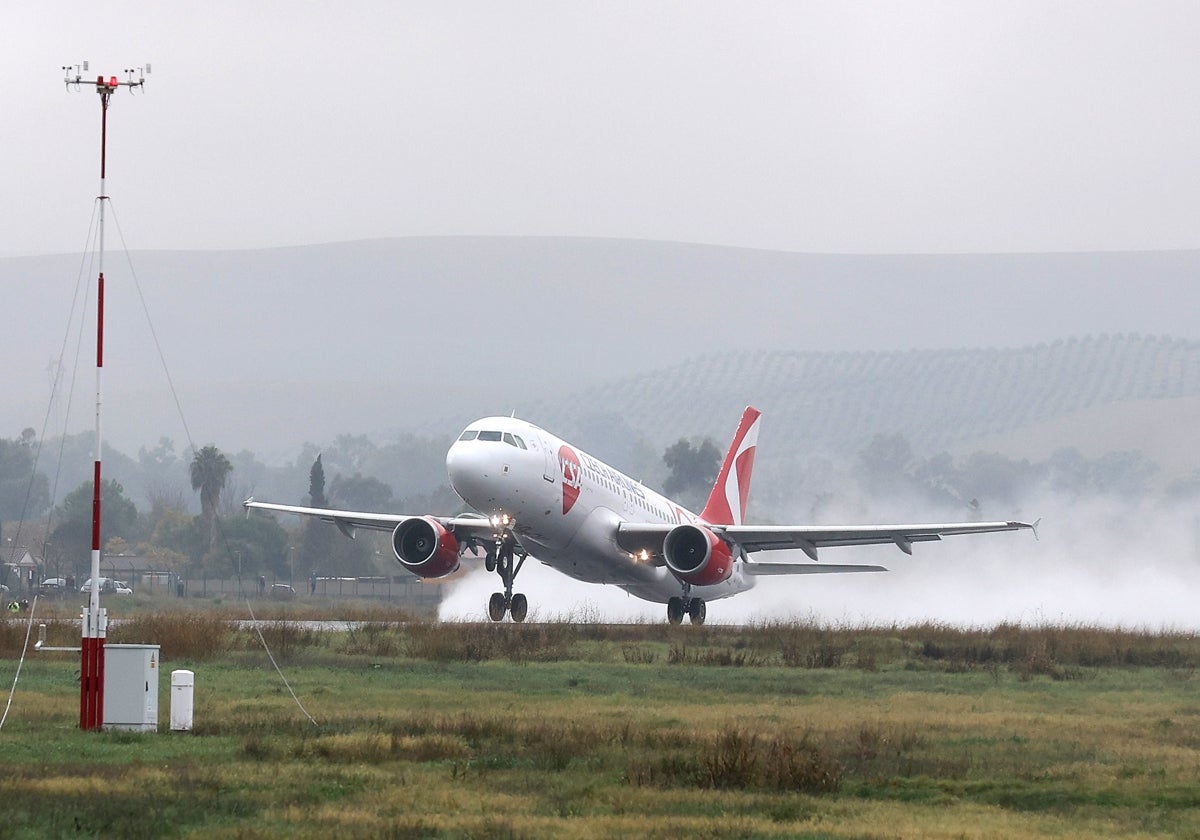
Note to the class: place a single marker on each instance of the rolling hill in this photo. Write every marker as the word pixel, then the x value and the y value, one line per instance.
pixel 270 348
pixel 1096 394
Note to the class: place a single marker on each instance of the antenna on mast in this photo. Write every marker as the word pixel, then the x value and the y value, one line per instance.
pixel 94 618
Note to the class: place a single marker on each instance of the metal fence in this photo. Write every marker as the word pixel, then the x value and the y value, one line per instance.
pixel 402 591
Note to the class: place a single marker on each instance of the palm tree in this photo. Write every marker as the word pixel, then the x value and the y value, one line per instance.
pixel 209 470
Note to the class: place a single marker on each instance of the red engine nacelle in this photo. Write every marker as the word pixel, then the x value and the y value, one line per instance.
pixel 697 556
pixel 425 548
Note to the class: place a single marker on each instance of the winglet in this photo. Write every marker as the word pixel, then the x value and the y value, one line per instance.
pixel 1034 528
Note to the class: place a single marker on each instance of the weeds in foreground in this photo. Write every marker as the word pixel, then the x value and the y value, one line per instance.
pixel 745 761
pixel 727 657
pixel 1058 652
pixel 638 655
pixel 191 636
pixel 454 642
pixel 721 743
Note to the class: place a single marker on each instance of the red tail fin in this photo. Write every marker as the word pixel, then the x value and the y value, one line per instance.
pixel 727 502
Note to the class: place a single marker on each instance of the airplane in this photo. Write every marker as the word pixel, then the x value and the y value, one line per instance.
pixel 535 495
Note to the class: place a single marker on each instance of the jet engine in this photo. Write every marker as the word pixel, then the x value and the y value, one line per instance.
pixel 697 556
pixel 425 548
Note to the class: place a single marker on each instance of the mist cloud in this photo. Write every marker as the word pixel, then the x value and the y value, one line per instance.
pixel 1098 562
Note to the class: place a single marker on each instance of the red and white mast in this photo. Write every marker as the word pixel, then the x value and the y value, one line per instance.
pixel 95 618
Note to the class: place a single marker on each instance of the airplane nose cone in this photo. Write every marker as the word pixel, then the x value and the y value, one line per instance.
pixel 466 467
pixel 454 462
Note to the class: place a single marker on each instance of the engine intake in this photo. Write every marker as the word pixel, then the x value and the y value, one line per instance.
pixel 425 548
pixel 697 556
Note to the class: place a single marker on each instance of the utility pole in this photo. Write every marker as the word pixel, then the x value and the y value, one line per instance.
pixel 94 618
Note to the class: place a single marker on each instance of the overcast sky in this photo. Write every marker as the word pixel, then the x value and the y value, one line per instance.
pixel 826 127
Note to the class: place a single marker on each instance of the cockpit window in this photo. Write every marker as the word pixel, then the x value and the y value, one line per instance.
pixel 520 443
pixel 469 434
pixel 489 436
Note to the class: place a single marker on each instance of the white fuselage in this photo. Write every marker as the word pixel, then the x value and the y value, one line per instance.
pixel 567 506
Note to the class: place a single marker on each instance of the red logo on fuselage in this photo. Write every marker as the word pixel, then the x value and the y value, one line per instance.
pixel 572 476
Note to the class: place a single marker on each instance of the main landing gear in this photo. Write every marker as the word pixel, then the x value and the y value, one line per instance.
pixel 500 559
pixel 686 605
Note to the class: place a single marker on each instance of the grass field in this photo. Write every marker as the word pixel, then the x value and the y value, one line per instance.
pixel 580 731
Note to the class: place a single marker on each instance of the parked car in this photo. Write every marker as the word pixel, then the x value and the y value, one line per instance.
pixel 53 587
pixel 108 586
pixel 105 585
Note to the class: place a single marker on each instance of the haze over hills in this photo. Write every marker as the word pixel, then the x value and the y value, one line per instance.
pixel 1096 394
pixel 620 345
pixel 267 349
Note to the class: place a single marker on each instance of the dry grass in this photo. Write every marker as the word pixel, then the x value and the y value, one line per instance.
pixel 187 636
pixel 577 731
pixel 457 642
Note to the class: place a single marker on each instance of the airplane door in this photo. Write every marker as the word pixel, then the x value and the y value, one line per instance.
pixel 550 466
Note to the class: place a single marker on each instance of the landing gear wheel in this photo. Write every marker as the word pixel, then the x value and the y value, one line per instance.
pixel 497 606
pixel 502 561
pixel 675 610
pixel 697 611
pixel 519 608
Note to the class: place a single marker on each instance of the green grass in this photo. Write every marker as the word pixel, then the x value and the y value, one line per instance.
pixel 482 731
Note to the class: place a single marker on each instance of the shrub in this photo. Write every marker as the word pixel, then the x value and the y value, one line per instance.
pixel 194 636
pixel 452 642
pixel 738 760
pixel 638 655
pixel 284 638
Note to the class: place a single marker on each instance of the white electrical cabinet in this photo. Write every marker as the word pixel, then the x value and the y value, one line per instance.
pixel 183 682
pixel 131 687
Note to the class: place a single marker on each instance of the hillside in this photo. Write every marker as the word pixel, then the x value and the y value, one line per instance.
pixel 1162 430
pixel 1097 394
pixel 271 348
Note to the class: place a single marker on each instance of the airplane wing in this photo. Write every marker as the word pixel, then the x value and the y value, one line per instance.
pixel 348 521
pixel 809 538
pixel 635 537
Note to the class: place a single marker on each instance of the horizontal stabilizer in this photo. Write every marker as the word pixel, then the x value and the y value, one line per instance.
pixel 807 568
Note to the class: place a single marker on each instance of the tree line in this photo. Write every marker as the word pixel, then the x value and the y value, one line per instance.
pixel 221 541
